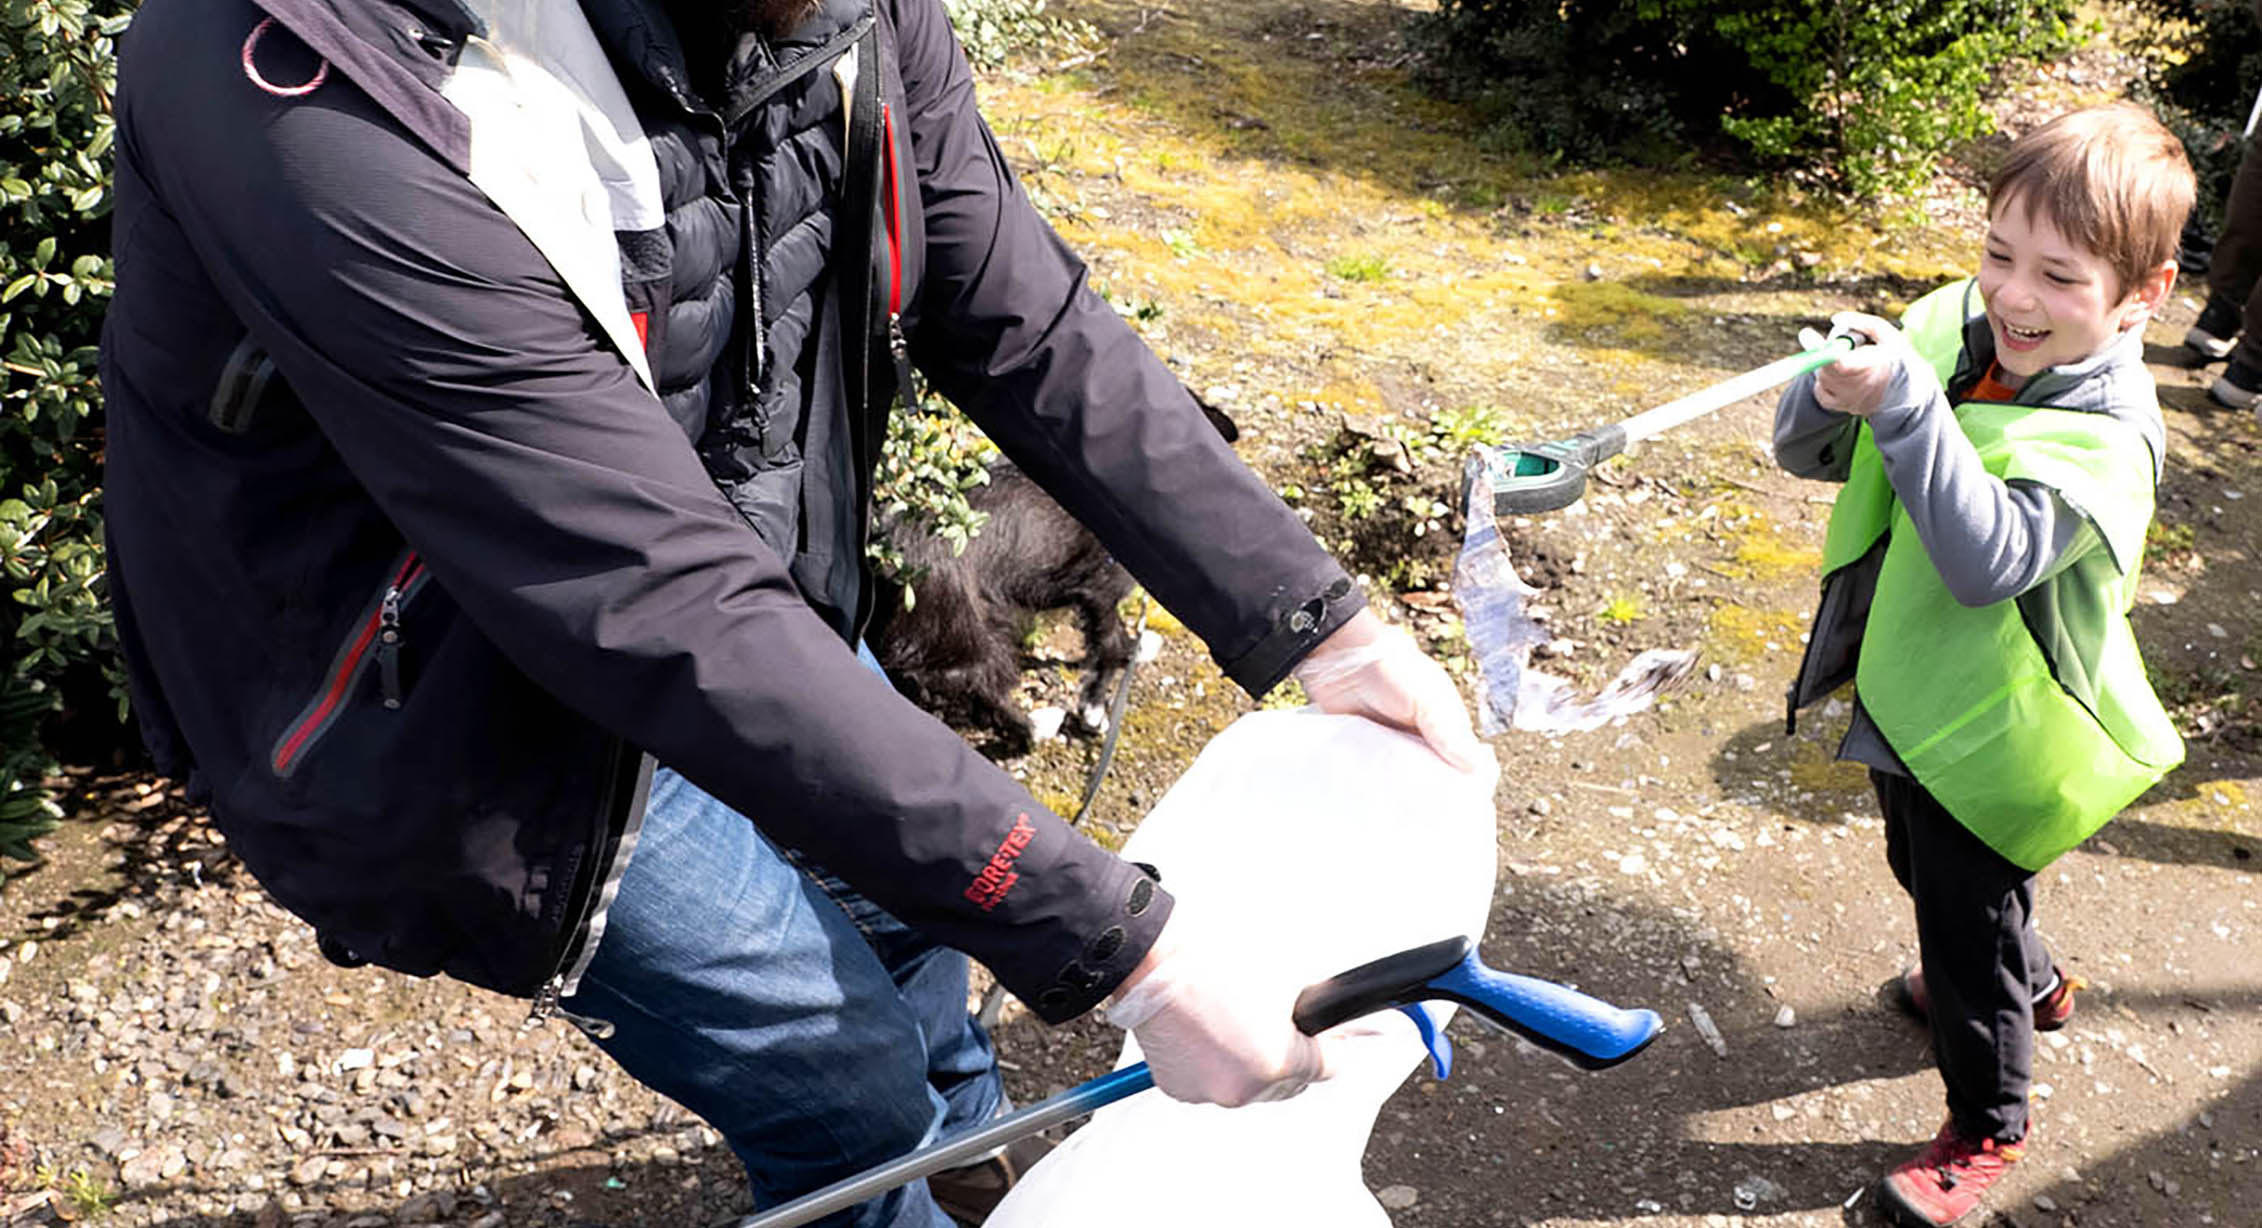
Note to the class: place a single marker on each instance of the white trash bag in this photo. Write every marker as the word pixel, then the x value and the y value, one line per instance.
pixel 1342 841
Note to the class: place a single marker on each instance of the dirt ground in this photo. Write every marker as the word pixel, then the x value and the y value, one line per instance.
pixel 1322 251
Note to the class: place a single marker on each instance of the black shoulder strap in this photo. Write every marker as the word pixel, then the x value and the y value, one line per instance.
pixel 856 245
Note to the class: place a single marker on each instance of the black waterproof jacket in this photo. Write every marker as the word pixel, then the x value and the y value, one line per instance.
pixel 416 576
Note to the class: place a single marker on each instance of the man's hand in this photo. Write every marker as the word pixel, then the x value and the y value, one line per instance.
pixel 1211 1027
pixel 1856 384
pixel 1367 668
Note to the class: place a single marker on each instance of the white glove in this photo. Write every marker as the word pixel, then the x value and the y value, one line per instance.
pixel 1213 1028
pixel 1368 668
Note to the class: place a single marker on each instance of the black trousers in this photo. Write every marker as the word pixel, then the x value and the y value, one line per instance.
pixel 2238 251
pixel 1984 966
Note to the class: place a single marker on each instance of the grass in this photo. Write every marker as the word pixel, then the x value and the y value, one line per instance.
pixel 1621 609
pixel 89 1196
pixel 1368 267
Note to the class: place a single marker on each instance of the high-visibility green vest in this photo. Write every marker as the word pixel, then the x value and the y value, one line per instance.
pixel 2031 720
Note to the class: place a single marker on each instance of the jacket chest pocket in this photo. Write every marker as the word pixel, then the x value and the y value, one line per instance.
pixel 373 645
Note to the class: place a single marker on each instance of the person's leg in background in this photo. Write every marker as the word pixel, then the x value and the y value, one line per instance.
pixel 2230 325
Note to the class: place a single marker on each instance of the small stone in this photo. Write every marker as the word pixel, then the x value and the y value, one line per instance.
pixel 1707 1029
pixel 356 1059
pixel 1786 1018
pixel 309 1170
pixel 154 1165
pixel 1541 806
pixel 2043 1202
pixel 1754 1190
pixel 1397 1197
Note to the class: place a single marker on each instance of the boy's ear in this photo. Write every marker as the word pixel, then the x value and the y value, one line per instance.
pixel 2146 296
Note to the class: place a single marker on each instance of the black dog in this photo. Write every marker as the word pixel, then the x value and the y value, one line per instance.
pixel 956 650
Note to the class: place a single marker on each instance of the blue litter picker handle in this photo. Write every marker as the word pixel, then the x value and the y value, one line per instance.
pixel 1588 1031
pixel 1592 1033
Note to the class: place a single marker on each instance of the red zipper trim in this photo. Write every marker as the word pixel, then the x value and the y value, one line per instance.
pixel 893 209
pixel 341 677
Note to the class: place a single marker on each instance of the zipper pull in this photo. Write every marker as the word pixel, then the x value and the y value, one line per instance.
pixel 389 647
pixel 546 1008
pixel 897 346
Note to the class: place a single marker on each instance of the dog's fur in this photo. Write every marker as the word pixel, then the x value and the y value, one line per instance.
pixel 956 650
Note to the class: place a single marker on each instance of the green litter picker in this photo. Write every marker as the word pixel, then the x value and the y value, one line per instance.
pixel 1531 478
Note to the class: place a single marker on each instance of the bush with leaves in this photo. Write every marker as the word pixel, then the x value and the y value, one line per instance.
pixel 994 30
pixel 1869 92
pixel 931 460
pixel 57 73
pixel 26 809
pixel 2203 62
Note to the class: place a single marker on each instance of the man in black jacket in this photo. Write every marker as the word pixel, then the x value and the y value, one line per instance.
pixel 494 389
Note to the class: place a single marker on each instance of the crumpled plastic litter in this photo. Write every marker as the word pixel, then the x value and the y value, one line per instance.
pixel 1510 693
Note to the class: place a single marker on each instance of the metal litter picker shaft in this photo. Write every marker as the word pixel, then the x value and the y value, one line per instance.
pixel 1529 478
pixel 1589 1032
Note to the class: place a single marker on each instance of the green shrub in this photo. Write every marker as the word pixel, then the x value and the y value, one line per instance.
pixel 1869 92
pixel 57 74
pixel 992 30
pixel 932 458
pixel 26 810
pixel 2203 59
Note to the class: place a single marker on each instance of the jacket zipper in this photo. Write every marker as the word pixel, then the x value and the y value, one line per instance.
pixel 580 947
pixel 377 634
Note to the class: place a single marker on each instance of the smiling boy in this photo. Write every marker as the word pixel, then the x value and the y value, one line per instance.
pixel 2000 453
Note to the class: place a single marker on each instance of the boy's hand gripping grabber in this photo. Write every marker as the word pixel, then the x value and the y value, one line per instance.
pixel 1589 1032
pixel 1541 477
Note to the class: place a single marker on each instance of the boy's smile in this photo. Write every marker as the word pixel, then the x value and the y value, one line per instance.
pixel 2049 301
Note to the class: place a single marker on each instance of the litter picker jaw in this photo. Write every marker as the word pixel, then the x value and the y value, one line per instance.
pixel 1589 1031
pixel 1531 478
pixel 1527 479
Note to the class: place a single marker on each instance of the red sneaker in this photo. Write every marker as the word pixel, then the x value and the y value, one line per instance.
pixel 2050 1013
pixel 1947 1179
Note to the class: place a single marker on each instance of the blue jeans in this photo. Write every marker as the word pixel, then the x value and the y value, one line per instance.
pixel 815 1032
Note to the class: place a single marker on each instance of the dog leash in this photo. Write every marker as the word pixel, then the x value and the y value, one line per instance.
pixel 1591 1033
pixel 1115 708
pixel 993 998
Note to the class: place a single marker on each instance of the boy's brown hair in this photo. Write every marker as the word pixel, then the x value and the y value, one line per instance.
pixel 2110 178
